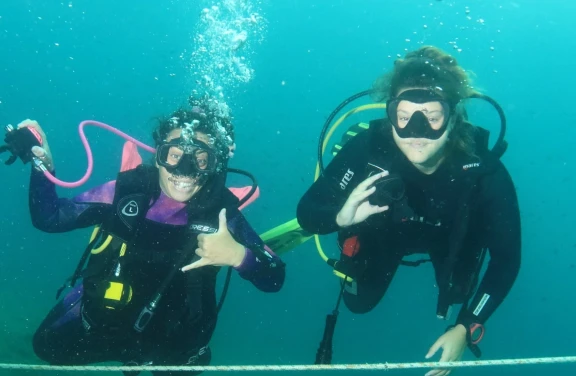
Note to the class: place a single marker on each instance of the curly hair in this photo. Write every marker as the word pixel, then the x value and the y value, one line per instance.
pixel 206 115
pixel 431 68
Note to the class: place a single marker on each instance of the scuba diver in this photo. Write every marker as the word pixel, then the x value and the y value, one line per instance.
pixel 421 181
pixel 147 294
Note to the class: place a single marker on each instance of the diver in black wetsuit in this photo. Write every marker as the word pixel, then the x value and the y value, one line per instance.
pixel 451 198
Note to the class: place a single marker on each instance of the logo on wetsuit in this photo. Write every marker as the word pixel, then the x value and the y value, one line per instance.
pixel 346 179
pixel 471 165
pixel 203 228
pixel 130 209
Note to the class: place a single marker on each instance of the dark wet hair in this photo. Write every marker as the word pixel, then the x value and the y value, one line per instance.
pixel 203 114
pixel 431 68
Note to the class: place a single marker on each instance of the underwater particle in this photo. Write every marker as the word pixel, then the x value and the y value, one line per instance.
pixel 57 44
pixel 283 83
pixel 407 40
pixel 425 26
pixel 491 48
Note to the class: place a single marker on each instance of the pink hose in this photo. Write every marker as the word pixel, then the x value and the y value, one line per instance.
pixel 89 152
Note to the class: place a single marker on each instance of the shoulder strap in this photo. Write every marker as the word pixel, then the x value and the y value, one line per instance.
pixel 135 189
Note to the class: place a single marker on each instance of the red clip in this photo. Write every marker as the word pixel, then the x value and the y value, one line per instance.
pixel 351 246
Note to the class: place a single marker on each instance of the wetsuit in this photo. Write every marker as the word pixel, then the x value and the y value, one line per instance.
pixel 423 223
pixel 186 315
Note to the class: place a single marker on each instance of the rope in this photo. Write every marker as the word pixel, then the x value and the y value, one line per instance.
pixel 326 367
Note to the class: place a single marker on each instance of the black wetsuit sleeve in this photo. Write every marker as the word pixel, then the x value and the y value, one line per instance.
pixel 52 214
pixel 502 234
pixel 318 208
pixel 260 266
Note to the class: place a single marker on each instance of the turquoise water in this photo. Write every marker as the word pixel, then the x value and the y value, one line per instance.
pixel 125 63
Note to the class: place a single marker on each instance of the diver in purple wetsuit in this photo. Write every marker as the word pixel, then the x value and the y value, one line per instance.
pixel 147 292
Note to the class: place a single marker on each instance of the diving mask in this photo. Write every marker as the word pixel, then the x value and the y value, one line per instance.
pixel 187 158
pixel 430 120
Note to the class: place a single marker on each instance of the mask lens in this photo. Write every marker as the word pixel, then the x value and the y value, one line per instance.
pixel 174 155
pixel 202 159
pixel 169 155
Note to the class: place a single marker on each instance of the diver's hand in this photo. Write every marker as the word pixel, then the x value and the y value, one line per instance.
pixel 357 208
pixel 453 345
pixel 43 153
pixel 218 249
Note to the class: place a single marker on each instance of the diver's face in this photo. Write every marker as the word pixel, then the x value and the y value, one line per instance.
pixel 421 151
pixel 179 188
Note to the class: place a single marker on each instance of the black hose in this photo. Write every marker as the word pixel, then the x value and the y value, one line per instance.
pixel 254 184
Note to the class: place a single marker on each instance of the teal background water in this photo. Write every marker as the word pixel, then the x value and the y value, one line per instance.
pixel 119 62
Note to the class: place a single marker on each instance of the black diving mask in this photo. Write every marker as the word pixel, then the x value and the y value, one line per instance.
pixel 185 158
pixel 429 121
